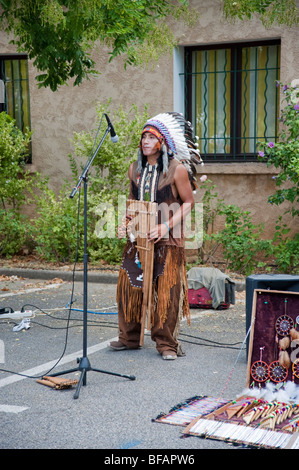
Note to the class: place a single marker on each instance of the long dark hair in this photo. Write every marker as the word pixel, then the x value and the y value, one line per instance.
pixel 159 161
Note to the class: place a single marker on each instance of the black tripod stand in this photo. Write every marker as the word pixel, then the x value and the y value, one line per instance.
pixel 84 364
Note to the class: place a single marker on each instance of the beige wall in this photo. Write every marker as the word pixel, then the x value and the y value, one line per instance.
pixel 55 116
pixel 247 185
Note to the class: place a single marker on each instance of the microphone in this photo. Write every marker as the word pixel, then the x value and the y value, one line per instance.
pixel 114 136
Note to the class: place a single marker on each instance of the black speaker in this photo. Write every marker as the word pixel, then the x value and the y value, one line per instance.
pixel 281 282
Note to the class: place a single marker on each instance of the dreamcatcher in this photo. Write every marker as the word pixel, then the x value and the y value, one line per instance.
pixel 294 334
pixel 283 325
pixel 277 372
pixel 295 368
pixel 260 369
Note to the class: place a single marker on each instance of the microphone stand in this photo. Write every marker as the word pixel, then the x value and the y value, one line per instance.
pixel 84 363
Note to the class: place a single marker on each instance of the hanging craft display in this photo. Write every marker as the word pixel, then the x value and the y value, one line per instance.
pixel 274 335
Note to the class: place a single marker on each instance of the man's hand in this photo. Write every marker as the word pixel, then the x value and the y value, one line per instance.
pixel 158 232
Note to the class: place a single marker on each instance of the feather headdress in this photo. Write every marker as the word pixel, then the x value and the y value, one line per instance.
pixel 179 139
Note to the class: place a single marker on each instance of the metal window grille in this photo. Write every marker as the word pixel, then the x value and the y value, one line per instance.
pixel 15 91
pixel 232 98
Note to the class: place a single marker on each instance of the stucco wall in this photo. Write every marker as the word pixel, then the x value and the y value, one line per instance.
pixel 247 185
pixel 55 116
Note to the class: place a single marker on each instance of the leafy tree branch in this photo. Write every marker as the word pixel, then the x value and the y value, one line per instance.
pixel 59 35
pixel 281 12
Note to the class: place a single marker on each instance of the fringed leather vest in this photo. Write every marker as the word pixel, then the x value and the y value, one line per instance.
pixel 152 185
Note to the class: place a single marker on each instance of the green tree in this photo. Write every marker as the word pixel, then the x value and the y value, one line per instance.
pixel 59 35
pixel 281 12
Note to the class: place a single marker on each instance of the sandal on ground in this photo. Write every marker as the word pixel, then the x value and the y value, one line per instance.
pixel 117 346
pixel 169 355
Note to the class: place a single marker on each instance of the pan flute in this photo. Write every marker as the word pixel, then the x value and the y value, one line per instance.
pixel 144 217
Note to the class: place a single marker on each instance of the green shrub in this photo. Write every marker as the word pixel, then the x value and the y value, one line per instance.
pixel 15 233
pixel 283 154
pixel 15 188
pixel 14 180
pixel 55 226
pixel 285 250
pixel 239 242
pixel 109 250
pixel 242 245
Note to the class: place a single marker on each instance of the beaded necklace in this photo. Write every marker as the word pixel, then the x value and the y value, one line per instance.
pixel 148 182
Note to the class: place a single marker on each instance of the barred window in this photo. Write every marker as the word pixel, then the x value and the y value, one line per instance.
pixel 232 98
pixel 14 90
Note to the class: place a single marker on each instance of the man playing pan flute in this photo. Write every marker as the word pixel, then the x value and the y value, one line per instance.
pixel 164 173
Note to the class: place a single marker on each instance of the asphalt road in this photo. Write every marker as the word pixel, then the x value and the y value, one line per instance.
pixel 112 413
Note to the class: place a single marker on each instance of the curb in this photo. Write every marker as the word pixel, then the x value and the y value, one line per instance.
pixel 46 274
pixel 99 277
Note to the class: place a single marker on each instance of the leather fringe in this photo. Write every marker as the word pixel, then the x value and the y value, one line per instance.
pixel 129 298
pixel 174 275
pixel 173 281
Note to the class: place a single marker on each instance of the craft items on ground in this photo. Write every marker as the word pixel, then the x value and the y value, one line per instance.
pixel 266 415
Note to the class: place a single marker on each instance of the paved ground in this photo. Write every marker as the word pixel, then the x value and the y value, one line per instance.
pixel 111 412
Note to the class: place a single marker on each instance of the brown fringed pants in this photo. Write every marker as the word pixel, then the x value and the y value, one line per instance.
pixel 170 294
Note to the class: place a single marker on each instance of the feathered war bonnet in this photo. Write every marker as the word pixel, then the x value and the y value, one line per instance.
pixel 178 141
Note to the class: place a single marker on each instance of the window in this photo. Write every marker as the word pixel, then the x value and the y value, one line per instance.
pixel 232 98
pixel 14 90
